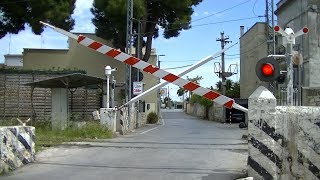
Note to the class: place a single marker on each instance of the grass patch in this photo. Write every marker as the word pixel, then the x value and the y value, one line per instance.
pixel 46 137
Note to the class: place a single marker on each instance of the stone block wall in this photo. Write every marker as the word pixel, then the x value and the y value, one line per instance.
pixel 17 147
pixel 124 125
pixel 284 142
pixel 214 114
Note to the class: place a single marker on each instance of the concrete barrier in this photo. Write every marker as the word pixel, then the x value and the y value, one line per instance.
pixel 17 147
pixel 284 142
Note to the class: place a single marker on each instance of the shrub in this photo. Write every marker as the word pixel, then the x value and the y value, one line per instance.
pixel 152 118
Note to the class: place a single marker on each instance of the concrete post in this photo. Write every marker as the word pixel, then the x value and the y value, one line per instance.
pixel 262 161
pixel 108 118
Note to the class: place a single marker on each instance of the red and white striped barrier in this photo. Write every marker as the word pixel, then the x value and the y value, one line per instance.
pixel 149 68
pixel 146 67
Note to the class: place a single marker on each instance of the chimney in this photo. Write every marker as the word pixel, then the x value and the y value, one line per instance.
pixel 241 30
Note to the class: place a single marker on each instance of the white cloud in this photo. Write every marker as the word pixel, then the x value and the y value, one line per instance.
pixel 82 7
pixel 195 14
pixel 83 16
pixel 49 39
pixel 206 13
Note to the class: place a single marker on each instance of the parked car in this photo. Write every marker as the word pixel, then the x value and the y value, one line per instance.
pixel 237 117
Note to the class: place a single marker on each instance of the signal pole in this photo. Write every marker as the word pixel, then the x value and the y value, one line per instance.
pixel 222 74
pixel 289 40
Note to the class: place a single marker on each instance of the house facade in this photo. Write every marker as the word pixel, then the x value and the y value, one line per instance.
pixel 13 60
pixel 253 47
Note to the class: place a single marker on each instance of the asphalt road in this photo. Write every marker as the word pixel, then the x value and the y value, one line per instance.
pixel 184 147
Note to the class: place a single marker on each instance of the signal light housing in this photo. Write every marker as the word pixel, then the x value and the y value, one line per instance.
pixel 305 30
pixel 267 69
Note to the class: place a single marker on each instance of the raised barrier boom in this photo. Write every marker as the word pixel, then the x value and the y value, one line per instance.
pixel 149 68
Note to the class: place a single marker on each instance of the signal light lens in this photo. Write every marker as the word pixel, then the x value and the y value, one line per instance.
pixel 276 28
pixel 305 30
pixel 267 69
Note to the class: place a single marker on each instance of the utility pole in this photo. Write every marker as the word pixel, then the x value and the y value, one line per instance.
pixel 128 51
pixel 270 35
pixel 138 54
pixel 158 91
pixel 222 74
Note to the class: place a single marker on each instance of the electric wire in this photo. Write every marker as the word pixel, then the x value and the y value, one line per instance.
pixel 206 24
pixel 221 11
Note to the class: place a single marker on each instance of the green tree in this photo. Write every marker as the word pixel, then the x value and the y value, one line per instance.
pixel 181 91
pixel 15 15
pixel 171 15
pixel 232 88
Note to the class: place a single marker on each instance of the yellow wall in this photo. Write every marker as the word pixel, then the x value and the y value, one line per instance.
pixel 44 59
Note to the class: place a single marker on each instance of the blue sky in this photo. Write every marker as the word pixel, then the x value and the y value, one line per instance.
pixel 190 46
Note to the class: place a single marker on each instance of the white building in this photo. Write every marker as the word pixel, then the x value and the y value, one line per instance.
pixel 13 60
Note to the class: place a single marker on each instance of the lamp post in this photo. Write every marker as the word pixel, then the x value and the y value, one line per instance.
pixel 108 71
pixel 158 92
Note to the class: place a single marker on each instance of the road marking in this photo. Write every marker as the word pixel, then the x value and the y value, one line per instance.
pixel 149 130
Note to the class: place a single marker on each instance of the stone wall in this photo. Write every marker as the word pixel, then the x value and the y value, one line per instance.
pixel 124 125
pixel 17 147
pixel 311 97
pixel 284 142
pixel 214 112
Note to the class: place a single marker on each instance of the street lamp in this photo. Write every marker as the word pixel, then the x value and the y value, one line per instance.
pixel 158 96
pixel 108 71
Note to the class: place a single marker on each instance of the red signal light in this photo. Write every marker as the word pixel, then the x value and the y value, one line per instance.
pixel 267 69
pixel 276 28
pixel 305 30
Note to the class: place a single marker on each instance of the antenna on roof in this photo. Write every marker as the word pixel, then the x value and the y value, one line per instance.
pixel 42 41
pixel 9 43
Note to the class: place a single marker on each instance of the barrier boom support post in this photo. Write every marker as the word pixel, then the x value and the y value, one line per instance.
pixel 151 69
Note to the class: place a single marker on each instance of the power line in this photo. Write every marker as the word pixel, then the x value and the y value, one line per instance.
pixel 221 11
pixel 206 24
pixel 232 20
pixel 254 6
pixel 248 50
pixel 224 10
pixel 194 60
pixel 232 54
pixel 178 67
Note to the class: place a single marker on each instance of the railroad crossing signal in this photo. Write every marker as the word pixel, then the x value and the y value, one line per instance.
pixel 289 34
pixel 267 69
